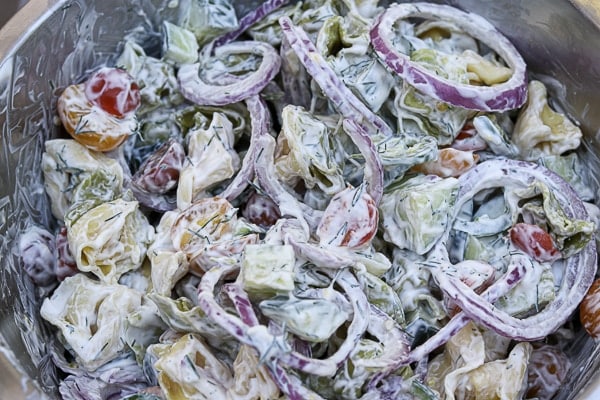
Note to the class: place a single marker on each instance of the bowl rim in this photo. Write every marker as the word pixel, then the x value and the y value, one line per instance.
pixel 23 23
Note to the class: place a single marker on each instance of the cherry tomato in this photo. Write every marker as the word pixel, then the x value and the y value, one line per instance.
pixel 349 220
pixel 534 241
pixel 450 162
pixel 65 262
pixel 468 139
pixel 91 126
pixel 261 210
pixel 114 91
pixel 589 310
pixel 160 171
pixel 548 368
pixel 37 249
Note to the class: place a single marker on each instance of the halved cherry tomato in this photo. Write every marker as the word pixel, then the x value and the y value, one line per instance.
pixel 261 210
pixel 114 91
pixel 450 162
pixel 534 241
pixel 589 310
pixel 89 125
pixel 65 262
pixel 349 220
pixel 468 139
pixel 159 173
pixel 547 370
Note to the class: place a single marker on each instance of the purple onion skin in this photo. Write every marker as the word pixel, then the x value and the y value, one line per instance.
pixel 242 303
pixel 509 95
pixel 260 117
pixel 373 168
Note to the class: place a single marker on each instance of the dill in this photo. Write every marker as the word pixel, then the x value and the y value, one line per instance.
pixel 342 231
pixel 114 216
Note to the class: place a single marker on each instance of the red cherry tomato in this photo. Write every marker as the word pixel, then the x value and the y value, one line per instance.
pixel 349 220
pixel 589 310
pixel 547 370
pixel 114 91
pixel 468 139
pixel 261 210
pixel 534 241
pixel 159 173
pixel 65 262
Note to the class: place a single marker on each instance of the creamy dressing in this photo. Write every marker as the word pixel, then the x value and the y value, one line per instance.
pixel 211 304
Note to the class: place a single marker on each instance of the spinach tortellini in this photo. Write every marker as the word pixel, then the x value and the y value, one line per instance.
pixel 91 316
pixel 110 239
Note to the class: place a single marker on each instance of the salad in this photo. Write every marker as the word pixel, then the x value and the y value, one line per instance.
pixel 317 200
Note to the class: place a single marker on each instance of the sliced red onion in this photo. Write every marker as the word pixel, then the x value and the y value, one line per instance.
pixel 206 300
pixel 331 257
pixel 274 348
pixel 242 303
pixel 264 168
pixel 505 96
pixel 514 274
pixel 340 96
pixel 580 268
pixel 392 337
pixel 248 20
pixel 291 385
pixel 195 89
pixel 260 118
pixel 373 176
pixel 360 322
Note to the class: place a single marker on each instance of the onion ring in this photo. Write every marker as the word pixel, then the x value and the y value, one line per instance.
pixel 505 96
pixel 580 268
pixel 260 117
pixel 198 91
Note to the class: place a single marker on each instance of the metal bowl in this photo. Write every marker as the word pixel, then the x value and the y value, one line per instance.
pixel 52 43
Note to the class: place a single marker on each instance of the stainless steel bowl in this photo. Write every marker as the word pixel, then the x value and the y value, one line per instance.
pixel 51 43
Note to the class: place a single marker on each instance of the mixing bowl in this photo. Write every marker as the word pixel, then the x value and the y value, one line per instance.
pixel 51 43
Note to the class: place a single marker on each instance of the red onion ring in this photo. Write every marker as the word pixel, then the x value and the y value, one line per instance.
pixel 505 96
pixel 340 96
pixel 514 275
pixel 259 118
pixel 197 91
pixel 264 168
pixel 258 336
pixel 580 268
pixel 373 176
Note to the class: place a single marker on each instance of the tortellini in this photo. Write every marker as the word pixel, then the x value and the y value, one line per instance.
pixel 209 232
pixel 66 164
pixel 306 151
pixel 211 160
pixel 416 212
pixel 91 316
pixel 465 370
pixel 541 131
pixel 110 239
pixel 188 370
